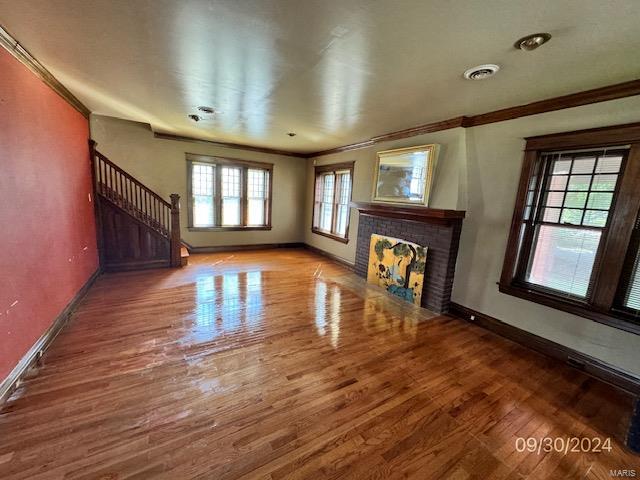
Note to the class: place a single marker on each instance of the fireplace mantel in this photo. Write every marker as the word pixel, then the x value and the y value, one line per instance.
pixel 410 212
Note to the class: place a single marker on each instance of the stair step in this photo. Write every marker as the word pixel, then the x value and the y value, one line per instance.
pixel 184 256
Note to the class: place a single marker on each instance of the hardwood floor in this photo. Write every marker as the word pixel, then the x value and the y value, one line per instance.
pixel 281 364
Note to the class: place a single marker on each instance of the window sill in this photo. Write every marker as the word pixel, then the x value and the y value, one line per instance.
pixel 330 235
pixel 228 229
pixel 575 307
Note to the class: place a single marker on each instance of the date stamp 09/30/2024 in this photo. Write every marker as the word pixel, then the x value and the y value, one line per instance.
pixel 569 445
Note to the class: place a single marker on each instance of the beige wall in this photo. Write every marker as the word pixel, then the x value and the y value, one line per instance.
pixel 161 165
pixel 448 191
pixel 478 171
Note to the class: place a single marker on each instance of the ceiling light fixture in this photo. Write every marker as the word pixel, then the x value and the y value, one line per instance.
pixel 195 118
pixel 208 110
pixel 481 72
pixel 533 41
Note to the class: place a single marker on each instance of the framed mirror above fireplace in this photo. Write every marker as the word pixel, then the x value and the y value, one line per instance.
pixel 404 175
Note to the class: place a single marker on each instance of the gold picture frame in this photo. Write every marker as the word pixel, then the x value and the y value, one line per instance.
pixel 405 175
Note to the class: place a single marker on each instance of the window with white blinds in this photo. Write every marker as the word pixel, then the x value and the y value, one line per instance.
pixel 574 242
pixel 331 200
pixel 629 289
pixel 632 295
pixel 227 194
pixel 570 208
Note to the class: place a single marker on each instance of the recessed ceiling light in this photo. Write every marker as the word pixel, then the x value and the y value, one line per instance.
pixel 195 118
pixel 291 134
pixel 209 110
pixel 533 41
pixel 481 72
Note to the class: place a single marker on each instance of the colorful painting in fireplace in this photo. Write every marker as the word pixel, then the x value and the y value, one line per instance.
pixel 397 266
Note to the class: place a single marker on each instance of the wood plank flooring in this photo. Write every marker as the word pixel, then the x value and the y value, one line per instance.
pixel 280 364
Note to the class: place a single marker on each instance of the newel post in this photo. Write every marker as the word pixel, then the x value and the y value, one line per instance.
pixel 175 230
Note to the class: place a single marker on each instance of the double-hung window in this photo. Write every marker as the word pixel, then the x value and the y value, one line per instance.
pixel 228 194
pixel 574 234
pixel 332 194
pixel 257 198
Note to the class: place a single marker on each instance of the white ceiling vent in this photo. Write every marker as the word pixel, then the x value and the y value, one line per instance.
pixel 481 72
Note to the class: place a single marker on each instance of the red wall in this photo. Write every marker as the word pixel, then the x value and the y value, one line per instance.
pixel 47 229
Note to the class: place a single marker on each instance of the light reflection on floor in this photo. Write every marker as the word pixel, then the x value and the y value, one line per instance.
pixel 320 312
pixel 226 303
pixel 229 299
pixel 229 304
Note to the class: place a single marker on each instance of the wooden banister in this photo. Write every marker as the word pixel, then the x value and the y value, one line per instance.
pixel 123 190
pixel 133 179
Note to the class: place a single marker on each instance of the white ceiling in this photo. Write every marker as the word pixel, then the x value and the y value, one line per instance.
pixel 333 71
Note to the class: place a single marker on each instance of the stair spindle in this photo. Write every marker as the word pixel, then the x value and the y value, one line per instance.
pixel 100 166
pixel 110 180
pixel 128 194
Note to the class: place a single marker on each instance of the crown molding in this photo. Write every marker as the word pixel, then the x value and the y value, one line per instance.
pixel 422 129
pixel 238 146
pixel 23 56
pixel 596 95
pixel 343 148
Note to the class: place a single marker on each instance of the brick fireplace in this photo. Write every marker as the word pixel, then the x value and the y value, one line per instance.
pixel 438 230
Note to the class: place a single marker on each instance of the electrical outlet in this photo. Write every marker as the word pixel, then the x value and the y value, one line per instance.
pixel 473 318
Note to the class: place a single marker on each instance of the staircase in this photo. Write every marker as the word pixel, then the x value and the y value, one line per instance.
pixel 137 228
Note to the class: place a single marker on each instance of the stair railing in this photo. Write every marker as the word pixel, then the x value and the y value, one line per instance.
pixel 139 201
